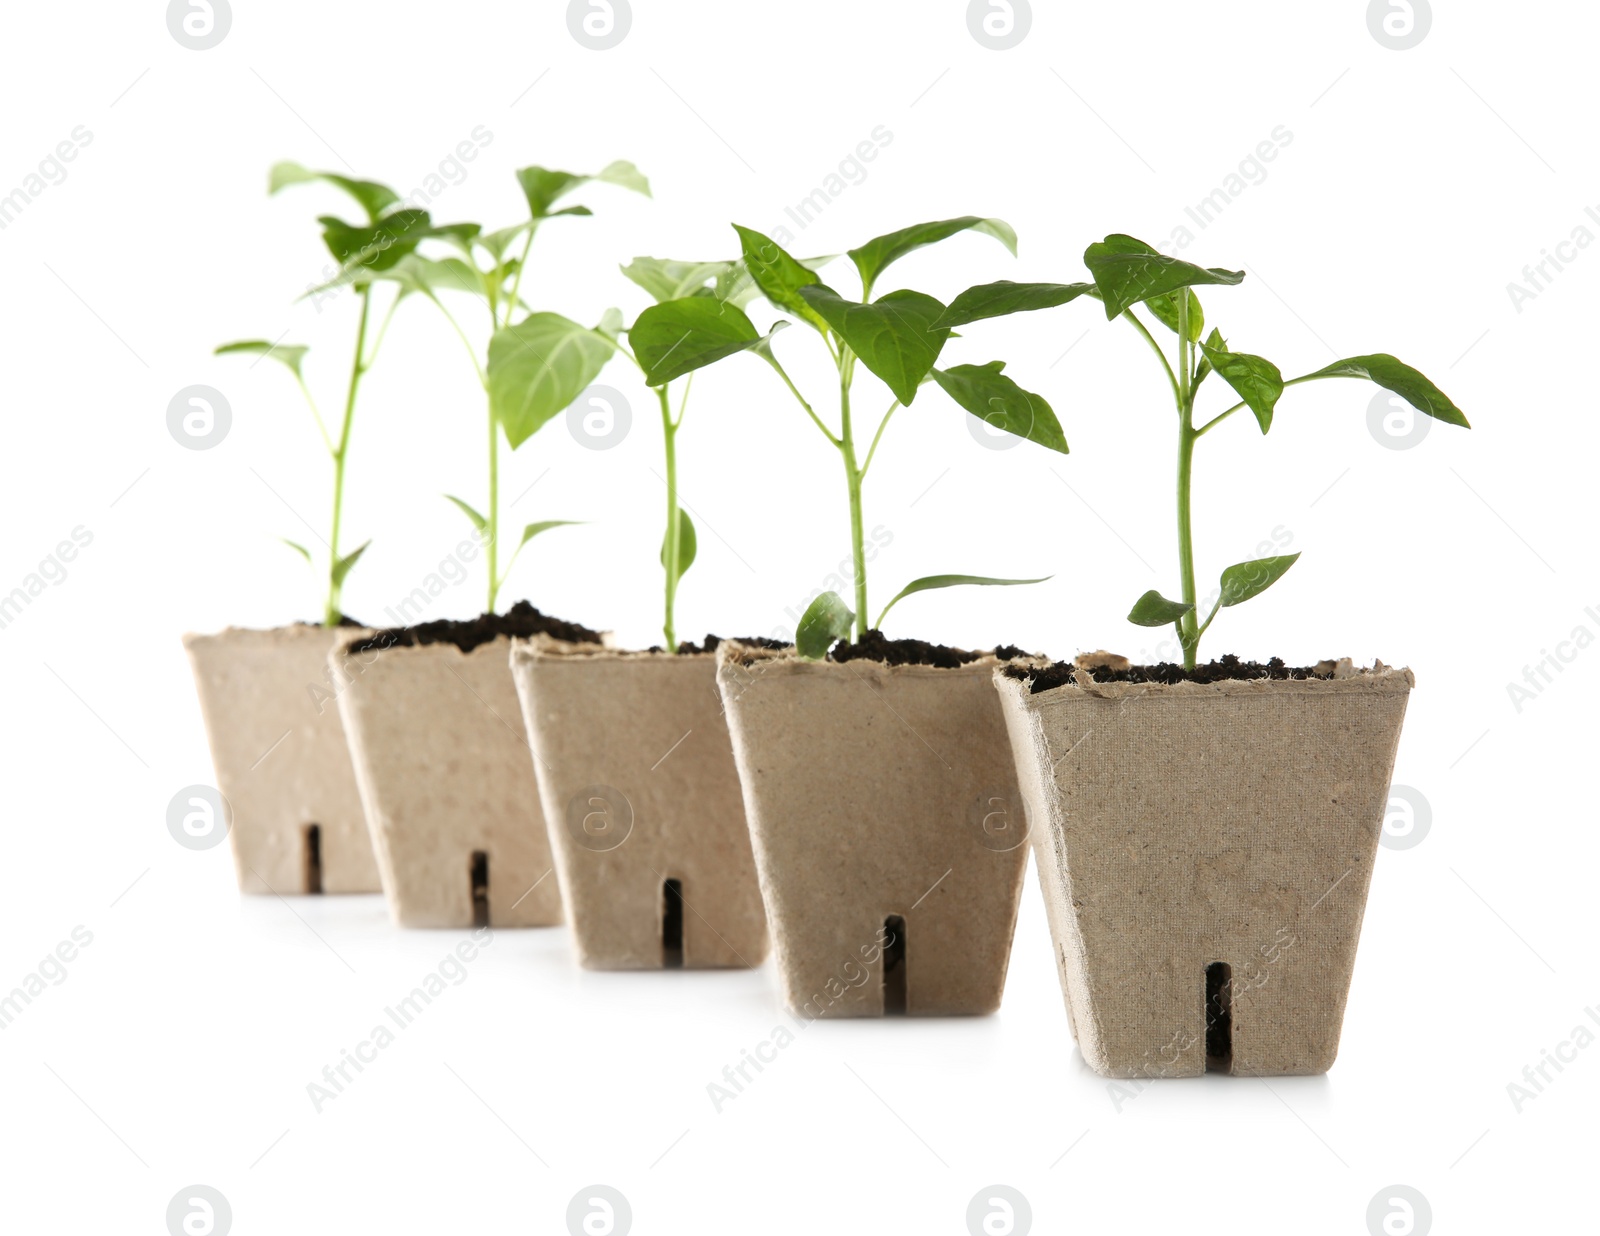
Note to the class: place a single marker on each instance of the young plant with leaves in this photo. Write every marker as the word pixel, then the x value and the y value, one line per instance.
pixel 1127 273
pixel 535 363
pixel 685 292
pixel 895 336
pixel 365 251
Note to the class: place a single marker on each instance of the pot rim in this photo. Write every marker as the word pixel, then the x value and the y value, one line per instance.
pixel 1376 679
pixel 286 629
pixel 733 656
pixel 543 647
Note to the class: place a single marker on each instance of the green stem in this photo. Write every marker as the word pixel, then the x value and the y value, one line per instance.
pixel 670 545
pixel 852 474
pixel 882 425
pixel 492 516
pixel 333 611
pixel 1177 395
pixel 795 390
pixel 1189 624
pixel 1307 377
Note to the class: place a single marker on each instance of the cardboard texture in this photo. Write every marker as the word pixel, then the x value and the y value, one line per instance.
pixel 442 762
pixel 1180 826
pixel 638 784
pixel 278 747
pixel 875 791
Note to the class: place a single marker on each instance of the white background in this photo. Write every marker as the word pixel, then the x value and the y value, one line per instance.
pixel 1416 186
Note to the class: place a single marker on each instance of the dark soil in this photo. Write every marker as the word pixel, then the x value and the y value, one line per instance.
pixel 344 621
pixel 466 634
pixel 1226 669
pixel 874 647
pixel 689 648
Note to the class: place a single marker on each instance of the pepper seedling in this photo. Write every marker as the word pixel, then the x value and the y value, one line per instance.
pixel 894 336
pixel 684 330
pixel 533 367
pixel 365 251
pixel 1127 272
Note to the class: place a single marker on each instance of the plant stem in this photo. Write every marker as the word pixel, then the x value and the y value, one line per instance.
pixel 670 545
pixel 1189 624
pixel 333 611
pixel 852 475
pixel 492 516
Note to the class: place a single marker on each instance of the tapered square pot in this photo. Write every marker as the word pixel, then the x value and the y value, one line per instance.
pixel 443 764
pixel 642 801
pixel 278 747
pixel 885 818
pixel 1205 852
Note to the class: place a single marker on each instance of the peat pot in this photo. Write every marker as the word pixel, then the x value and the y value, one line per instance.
pixel 279 751
pixel 442 762
pixel 1204 850
pixel 642 801
pixel 886 823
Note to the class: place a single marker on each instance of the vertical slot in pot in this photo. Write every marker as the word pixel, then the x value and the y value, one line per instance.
pixel 1219 1017
pixel 480 888
pixel 672 925
pixel 894 966
pixel 313 858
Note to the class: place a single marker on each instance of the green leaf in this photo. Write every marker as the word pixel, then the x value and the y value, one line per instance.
pixel 995 399
pixel 872 258
pixel 993 300
pixel 779 276
pixel 679 336
pixel 478 521
pixel 928 582
pixel 543 187
pixel 533 530
pixel 1165 309
pixel 1154 610
pixel 285 354
pixel 538 367
pixel 1244 580
pixel 297 547
pixel 826 619
pixel 369 194
pixel 1128 271
pixel 341 568
pixel 1400 378
pixel 687 544
pixel 370 250
pixel 666 279
pixel 1255 378
pixel 610 324
pixel 895 336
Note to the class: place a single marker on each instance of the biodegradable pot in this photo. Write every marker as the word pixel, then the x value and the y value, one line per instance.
pixel 1204 852
pixel 885 817
pixel 278 747
pixel 442 762
pixel 642 801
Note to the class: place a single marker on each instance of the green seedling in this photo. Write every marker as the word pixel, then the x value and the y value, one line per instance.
pixel 365 251
pixel 1126 273
pixel 687 294
pixel 896 337
pixel 534 364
